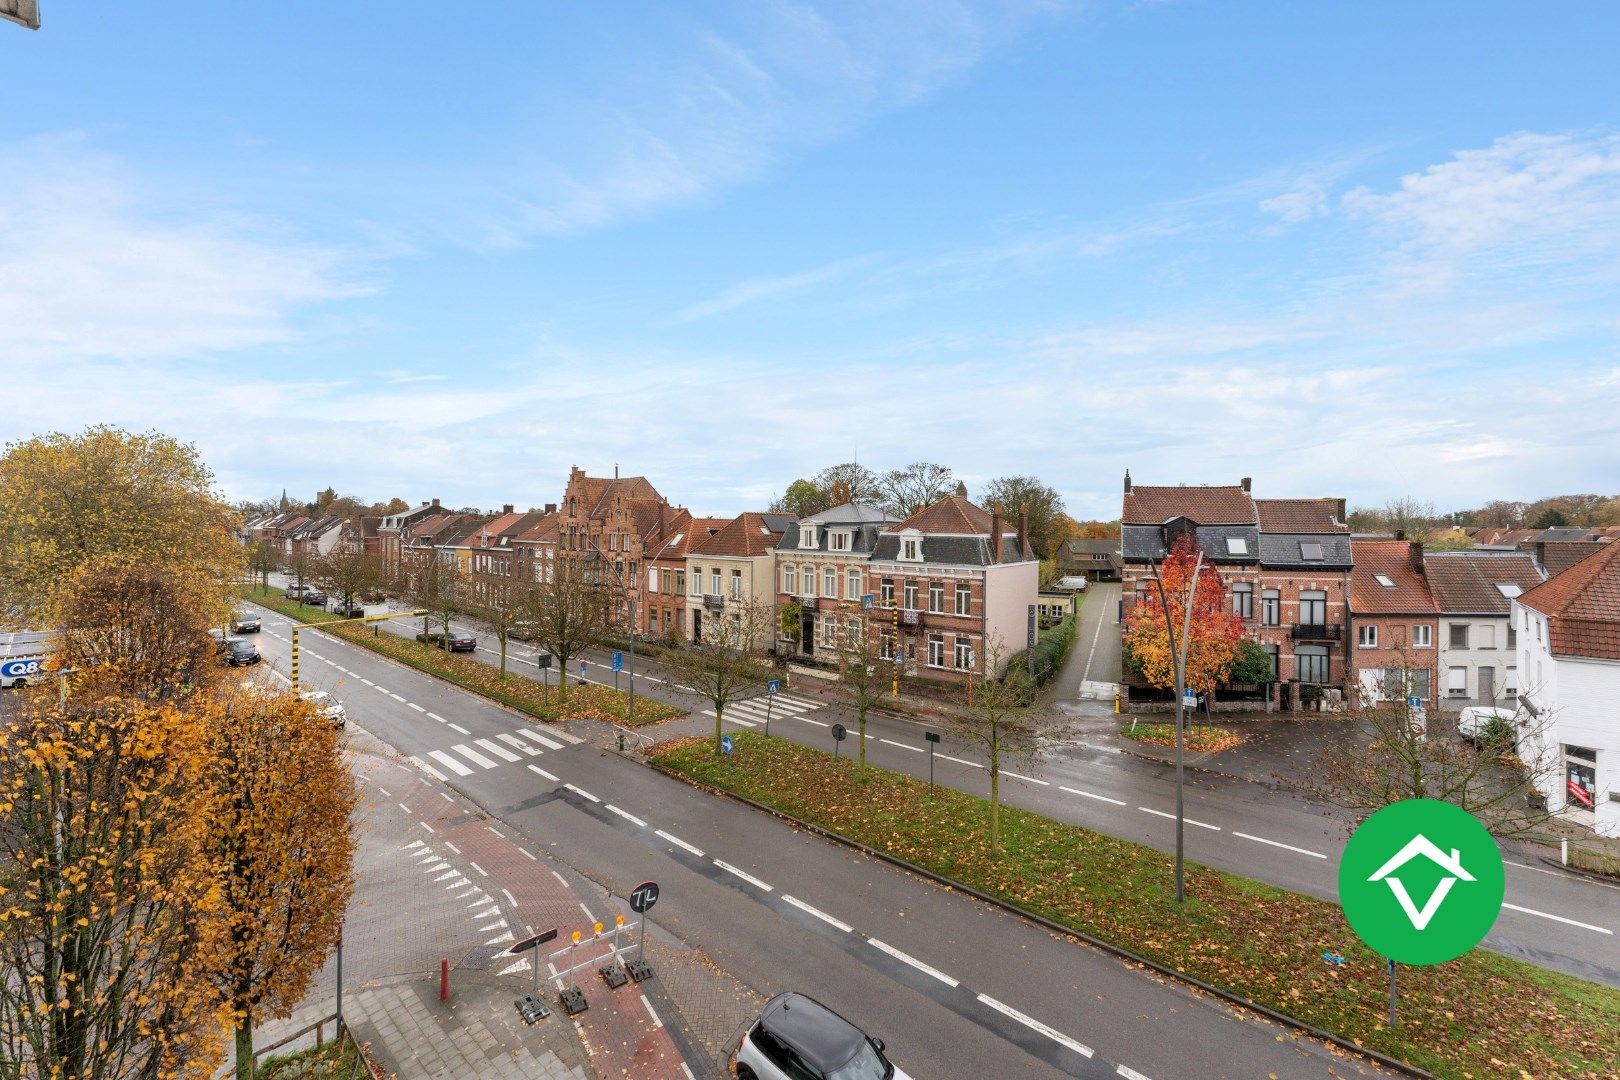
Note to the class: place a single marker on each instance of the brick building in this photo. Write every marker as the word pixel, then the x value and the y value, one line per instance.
pixel 666 604
pixel 1395 623
pixel 821 565
pixel 612 528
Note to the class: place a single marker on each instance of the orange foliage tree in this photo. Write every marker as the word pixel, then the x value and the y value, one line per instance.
pixel 1216 632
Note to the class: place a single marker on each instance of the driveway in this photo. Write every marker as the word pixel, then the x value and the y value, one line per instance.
pixel 1089 676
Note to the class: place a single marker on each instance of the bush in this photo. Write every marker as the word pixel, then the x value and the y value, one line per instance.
pixel 1050 649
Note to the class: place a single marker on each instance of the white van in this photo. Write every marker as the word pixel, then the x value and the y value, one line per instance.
pixel 18 670
pixel 1472 721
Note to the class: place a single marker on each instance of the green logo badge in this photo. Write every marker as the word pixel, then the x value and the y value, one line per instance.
pixel 1421 882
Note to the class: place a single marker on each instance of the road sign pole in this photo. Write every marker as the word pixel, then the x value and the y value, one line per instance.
pixel 930 770
pixel 1392 995
pixel 641 948
pixel 295 659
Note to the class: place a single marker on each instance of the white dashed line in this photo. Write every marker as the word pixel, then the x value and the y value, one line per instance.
pixel 1129 1073
pixel 1035 1025
pixel 528 853
pixel 626 815
pixel 1021 776
pixel 461 729
pixel 396 697
pixel 750 878
pixel 510 899
pixel 452 847
pixel 959 761
pixel 414 705
pixel 436 716
pixel 1285 847
pixel 901 745
pixel 678 842
pixel 906 958
pixel 478 868
pixel 425 825
pixel 582 791
pixel 385 791
pixel 818 913
pixel 1089 795
pixel 542 772
pixel 1172 817
pixel 403 807
pixel 496 831
pixel 656 1022
pixel 1558 918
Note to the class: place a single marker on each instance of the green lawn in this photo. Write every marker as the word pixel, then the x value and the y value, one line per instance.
pixel 584 701
pixel 1482 1015
pixel 331 1061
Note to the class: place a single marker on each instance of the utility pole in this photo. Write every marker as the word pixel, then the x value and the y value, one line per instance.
pixel 1178 658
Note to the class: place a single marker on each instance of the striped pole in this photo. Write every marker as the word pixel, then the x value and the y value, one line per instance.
pixel 894 643
pixel 295 659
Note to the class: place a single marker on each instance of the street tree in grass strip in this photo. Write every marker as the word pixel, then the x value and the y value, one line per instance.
pixel 1215 631
pixel 435 585
pixel 347 573
pixel 997 714
pixel 869 664
pixel 264 560
pixel 728 661
pixel 505 606
pixel 567 610
pixel 72 499
pixel 281 841
pixel 105 898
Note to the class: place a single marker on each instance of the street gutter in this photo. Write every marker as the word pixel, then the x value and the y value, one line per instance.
pixel 1058 928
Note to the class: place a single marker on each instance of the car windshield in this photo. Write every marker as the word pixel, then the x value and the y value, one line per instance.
pixel 867 1064
pixel 246 616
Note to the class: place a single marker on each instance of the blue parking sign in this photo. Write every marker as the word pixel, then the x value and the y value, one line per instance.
pixel 725 744
pixel 618 661
pixel 582 668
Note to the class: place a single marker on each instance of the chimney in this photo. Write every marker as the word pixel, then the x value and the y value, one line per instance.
pixel 995 532
pixel 1245 482
pixel 1127 481
pixel 507 509
pixel 551 508
pixel 1023 530
pixel 615 470
pixel 435 504
pixel 1414 551
pixel 1342 517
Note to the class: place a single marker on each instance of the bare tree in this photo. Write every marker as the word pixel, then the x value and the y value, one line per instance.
pixel 347 573
pixel 567 610
pixel 910 489
pixel 264 560
pixel 438 587
pixel 870 666
pixel 997 715
pixel 504 607
pixel 728 661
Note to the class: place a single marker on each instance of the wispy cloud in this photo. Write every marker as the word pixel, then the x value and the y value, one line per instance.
pixel 755 289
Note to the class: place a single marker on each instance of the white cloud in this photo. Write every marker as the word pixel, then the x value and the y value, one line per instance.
pixel 755 289
pixel 1306 200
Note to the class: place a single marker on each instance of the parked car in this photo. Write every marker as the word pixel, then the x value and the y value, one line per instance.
pixel 455 641
pixel 239 652
pixel 1474 722
pixel 327 705
pixel 15 671
pixel 219 637
pixel 245 622
pixel 797 1036
pixel 295 591
pixel 348 611
pixel 373 596
pixel 315 598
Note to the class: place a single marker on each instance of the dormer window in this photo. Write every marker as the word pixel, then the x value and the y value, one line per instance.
pixel 807 536
pixel 911 548
pixel 838 541
pixel 1237 545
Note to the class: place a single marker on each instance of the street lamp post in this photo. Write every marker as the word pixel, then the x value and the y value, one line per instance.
pixel 1178 660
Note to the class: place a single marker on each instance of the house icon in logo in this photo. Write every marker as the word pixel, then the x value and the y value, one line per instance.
pixel 1451 864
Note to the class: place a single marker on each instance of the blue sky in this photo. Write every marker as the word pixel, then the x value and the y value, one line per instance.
pixel 1363 250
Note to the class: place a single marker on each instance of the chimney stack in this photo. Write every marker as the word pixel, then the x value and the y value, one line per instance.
pixel 1023 530
pixel 995 532
pixel 507 509
pixel 1127 481
pixel 615 470
pixel 435 504
pixel 1343 517
pixel 1414 551
pixel 1245 482
pixel 551 508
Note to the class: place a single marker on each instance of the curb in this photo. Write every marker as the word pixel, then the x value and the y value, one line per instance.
pixel 1575 871
pixel 1066 931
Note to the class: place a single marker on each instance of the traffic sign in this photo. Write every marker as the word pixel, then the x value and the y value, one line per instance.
pixel 644 896
pixel 868 600
pixel 582 666
pixel 725 743
pixel 1414 702
pixel 1189 699
pixel 543 660
pixel 773 687
pixel 618 661
pixel 1421 882
pixel 838 732
pixel 931 736
pixel 533 942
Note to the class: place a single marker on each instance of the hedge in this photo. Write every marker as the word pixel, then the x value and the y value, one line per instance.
pixel 1050 649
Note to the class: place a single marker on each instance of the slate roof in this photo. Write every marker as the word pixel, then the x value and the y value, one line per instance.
pixel 1288 550
pixel 850 514
pixel 744 537
pixel 1392 558
pixel 1582 606
pixel 1506 538
pixel 1464 582
pixel 1309 516
pixel 1214 505
pixel 951 550
pixel 1145 542
pixel 1091 547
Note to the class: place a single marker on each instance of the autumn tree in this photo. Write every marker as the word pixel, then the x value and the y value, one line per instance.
pixel 567 611
pixel 905 491
pixel 868 665
pixel 1212 646
pixel 143 625
pixel 264 560
pixel 347 572
pixel 1042 503
pixel 728 661
pixel 997 714
pixel 280 836
pixel 846 482
pixel 104 931
pixel 71 499
pixel 438 587
pixel 504 607
pixel 801 499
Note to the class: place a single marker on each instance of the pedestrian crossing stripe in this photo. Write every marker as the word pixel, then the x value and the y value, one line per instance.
pixel 544 740
pixel 513 740
pixel 449 762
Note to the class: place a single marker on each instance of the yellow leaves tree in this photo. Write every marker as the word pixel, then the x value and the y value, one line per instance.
pixel 104 897
pixel 72 499
pixel 282 845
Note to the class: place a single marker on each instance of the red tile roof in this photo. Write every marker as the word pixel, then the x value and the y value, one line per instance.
pixel 1300 516
pixel 744 536
pixel 1582 606
pixel 1408 591
pixel 1222 505
pixel 1559 555
pixel 688 534
pixel 952 515
pixel 543 530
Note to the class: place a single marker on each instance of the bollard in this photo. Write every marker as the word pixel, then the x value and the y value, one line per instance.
pixel 1564 845
pixel 444 979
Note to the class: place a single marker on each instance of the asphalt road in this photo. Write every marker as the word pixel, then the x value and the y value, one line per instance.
pixel 957 988
pixel 1553 919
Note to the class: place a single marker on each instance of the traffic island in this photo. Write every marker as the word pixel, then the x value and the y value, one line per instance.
pixel 1200 739
pixel 1480 1015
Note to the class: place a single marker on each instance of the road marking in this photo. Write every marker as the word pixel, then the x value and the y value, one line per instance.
pixel 527 852
pixel 959 761
pixel 509 898
pixel 449 762
pixel 1129 1073
pixel 397 698
pixel 678 842
pixel 807 720
pixel 368 682
pixel 382 690
pixel 1031 779
pixel 496 831
pixel 548 743
pixel 444 877
pixel 905 958
pixel 414 705
pixel 582 791
pixel 818 913
pixel 1558 918
pixel 572 740
pixel 498 750
pixel 452 847
pixel 403 807
pixel 1553 873
pixel 478 868
pixel 626 815
pixel 1085 676
pixel 413 844
pixel 461 729
pixel 385 791
pixel 901 745
pixel 560 878
pixel 501 939
pixel 473 756
pixel 588 916
pixel 1286 847
pixel 513 740
pixel 1172 817
pixel 656 1022
pixel 1035 1025
pixel 542 772
pixel 498 924
pixel 750 878
pixel 480 903
pixel 436 716
pixel 1089 795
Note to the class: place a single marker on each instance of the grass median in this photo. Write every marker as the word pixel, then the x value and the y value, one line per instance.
pixel 1481 1015
pixel 584 701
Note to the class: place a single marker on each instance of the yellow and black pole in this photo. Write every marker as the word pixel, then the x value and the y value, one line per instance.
pixel 335 622
pixel 894 647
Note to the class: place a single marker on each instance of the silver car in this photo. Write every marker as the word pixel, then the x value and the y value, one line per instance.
pixel 327 705
pixel 799 1038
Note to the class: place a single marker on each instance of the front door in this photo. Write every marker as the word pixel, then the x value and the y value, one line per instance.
pixel 1487 685
pixel 697 627
pixel 807 633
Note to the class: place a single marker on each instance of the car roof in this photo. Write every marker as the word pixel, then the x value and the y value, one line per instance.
pixel 825 1039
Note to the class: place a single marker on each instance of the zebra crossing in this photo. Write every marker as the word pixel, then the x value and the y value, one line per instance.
pixel 463 758
pixel 751 713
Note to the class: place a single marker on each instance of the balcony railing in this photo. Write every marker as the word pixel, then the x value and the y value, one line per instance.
pixel 713 601
pixel 1317 632
pixel 908 617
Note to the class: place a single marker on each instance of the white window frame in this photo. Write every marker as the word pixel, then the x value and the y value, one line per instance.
pixel 964 598
pixel 807 582
pixel 829 582
pixel 1423 636
pixel 807 536
pixel 936 651
pixel 736 584
pixel 963 653
pixel 852 582
pixel 838 540
pixel 1237 545
pixel 1367 636
pixel 909 596
pixel 697 581
pixel 886 591
pixel 936 597
pixel 1456 682
pixel 790 580
pixel 714 581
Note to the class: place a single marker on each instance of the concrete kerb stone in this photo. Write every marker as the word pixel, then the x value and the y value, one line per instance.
pixel 1068 931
